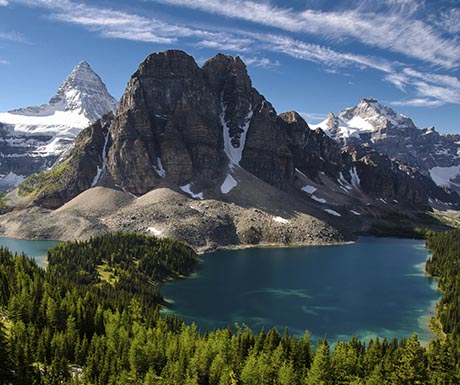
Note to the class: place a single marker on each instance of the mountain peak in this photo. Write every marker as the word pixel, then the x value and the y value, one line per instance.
pixel 375 105
pixel 84 91
pixel 82 73
pixel 83 63
pixel 369 100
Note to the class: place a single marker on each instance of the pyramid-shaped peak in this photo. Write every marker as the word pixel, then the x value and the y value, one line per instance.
pixel 82 72
pixel 84 91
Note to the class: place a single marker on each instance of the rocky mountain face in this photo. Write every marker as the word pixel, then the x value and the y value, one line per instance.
pixel 376 126
pixel 192 129
pixel 185 123
pixel 34 138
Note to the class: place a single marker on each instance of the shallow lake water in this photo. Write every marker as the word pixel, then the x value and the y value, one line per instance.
pixel 33 248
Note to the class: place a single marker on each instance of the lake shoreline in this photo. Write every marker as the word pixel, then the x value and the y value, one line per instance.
pixel 169 303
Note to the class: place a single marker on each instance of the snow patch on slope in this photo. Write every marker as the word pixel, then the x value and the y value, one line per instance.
pixel 345 185
pixel 159 169
pixel 228 185
pixel 354 127
pixel 442 175
pixel 155 231
pixel 309 189
pixel 355 181
pixel 104 158
pixel 186 189
pixel 332 212
pixel 280 220
pixel 233 153
pixel 317 199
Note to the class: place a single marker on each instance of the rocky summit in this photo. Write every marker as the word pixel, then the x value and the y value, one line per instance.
pixel 229 169
pixel 379 127
pixel 34 138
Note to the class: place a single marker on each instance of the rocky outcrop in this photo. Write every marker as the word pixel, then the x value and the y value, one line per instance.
pixel 391 180
pixel 81 170
pixel 179 122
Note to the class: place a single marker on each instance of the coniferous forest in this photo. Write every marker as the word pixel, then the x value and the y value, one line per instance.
pixel 93 318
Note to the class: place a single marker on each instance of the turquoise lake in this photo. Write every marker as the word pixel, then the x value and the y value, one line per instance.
pixel 33 248
pixel 374 287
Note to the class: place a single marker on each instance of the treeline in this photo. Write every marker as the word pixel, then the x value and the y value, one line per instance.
pixel 92 318
pixel 445 265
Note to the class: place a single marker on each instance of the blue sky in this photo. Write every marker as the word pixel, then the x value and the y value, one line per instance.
pixel 312 56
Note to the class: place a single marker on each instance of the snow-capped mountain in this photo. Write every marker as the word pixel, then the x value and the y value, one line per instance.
pixel 34 138
pixel 372 124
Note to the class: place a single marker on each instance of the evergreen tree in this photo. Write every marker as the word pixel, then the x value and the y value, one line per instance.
pixel 320 372
pixel 6 365
pixel 410 369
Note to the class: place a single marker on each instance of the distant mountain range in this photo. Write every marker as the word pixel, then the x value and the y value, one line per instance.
pixel 378 127
pixel 34 138
pixel 183 134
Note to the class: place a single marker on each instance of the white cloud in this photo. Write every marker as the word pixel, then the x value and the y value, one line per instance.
pixel 3 61
pixel 408 7
pixel 432 90
pixel 319 54
pixel 418 102
pixel 262 62
pixel 393 30
pixel 13 36
pixel 449 20
pixel 387 30
pixel 398 80
pixel 226 42
pixel 3 3
pixel 312 117
pixel 117 24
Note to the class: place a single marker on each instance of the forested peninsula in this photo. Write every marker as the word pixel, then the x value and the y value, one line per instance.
pixel 92 317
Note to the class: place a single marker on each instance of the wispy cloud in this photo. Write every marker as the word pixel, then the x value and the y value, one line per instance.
pixel 448 20
pixel 418 102
pixel 319 54
pixel 432 90
pixel 392 30
pixel 387 31
pixel 13 36
pixel 116 24
pixel 3 3
pixel 3 61
pixel 262 62
pixel 312 117
pixel 226 42
pixel 398 80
